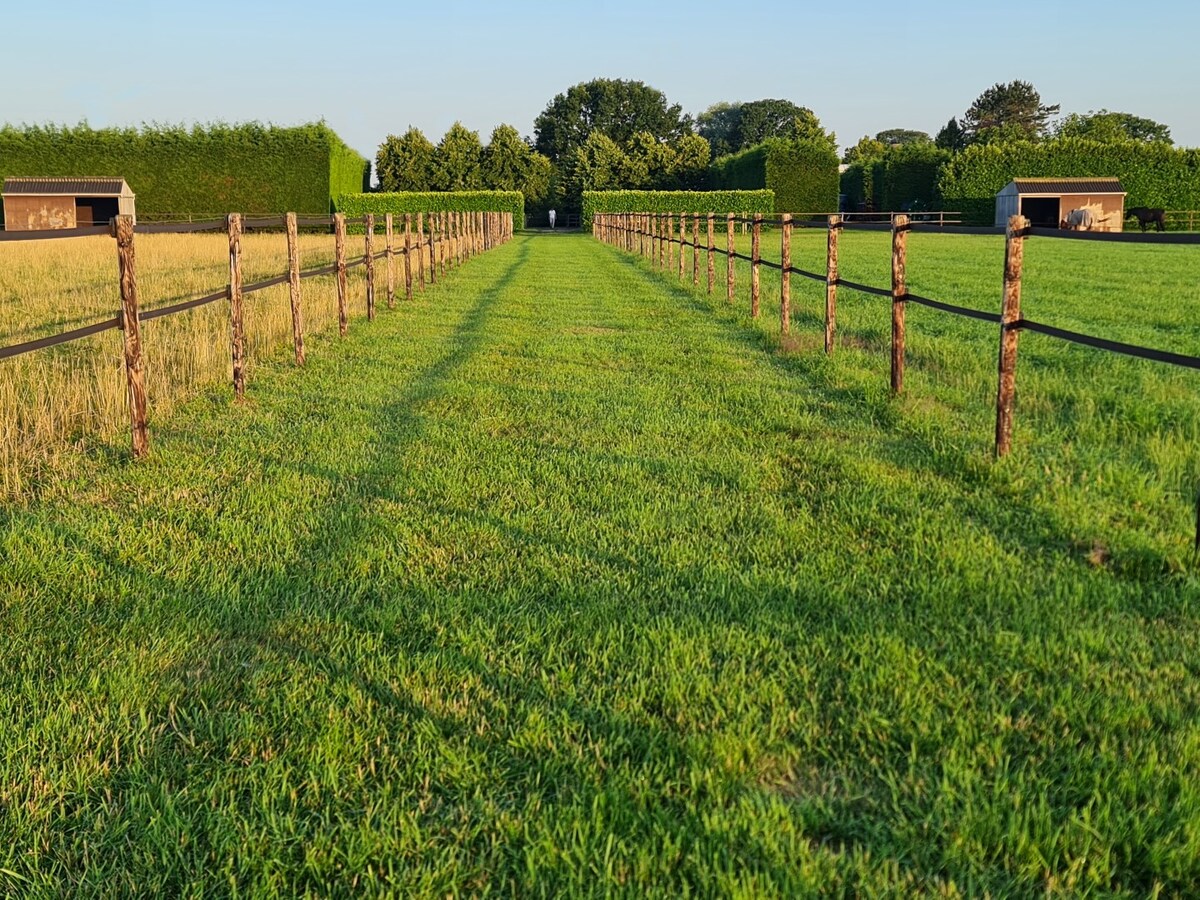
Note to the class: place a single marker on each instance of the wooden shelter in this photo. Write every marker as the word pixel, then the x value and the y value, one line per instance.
pixel 43 204
pixel 1045 202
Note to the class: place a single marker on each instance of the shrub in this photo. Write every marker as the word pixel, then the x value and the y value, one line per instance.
pixel 675 201
pixel 355 205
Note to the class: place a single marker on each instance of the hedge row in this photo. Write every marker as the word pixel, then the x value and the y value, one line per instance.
pixel 675 201
pixel 1156 175
pixel 204 170
pixel 357 204
pixel 905 178
pixel 803 175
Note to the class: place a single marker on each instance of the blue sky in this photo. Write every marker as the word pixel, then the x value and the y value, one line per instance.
pixel 374 69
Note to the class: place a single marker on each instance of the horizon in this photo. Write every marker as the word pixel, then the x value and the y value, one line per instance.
pixel 668 47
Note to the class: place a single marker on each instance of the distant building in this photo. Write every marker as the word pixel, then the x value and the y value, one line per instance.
pixel 1045 202
pixel 43 204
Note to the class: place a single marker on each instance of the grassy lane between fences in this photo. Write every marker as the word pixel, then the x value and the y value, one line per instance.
pixel 564 580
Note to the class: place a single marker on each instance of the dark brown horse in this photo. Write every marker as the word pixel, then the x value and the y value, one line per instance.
pixel 1147 216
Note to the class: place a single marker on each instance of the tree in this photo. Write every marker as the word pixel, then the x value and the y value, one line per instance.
pixel 902 137
pixel 1015 107
pixel 614 108
pixel 731 127
pixel 1111 127
pixel 510 164
pixel 456 162
pixel 719 125
pixel 405 163
pixel 598 165
pixel 951 137
pixel 867 148
pixel 692 154
pixel 651 162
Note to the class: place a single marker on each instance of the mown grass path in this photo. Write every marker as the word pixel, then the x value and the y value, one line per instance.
pixel 560 580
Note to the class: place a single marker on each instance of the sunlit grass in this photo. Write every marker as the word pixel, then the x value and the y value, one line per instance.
pixel 565 581
pixel 58 401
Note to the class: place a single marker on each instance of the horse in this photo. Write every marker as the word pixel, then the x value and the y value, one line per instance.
pixel 1080 219
pixel 1145 216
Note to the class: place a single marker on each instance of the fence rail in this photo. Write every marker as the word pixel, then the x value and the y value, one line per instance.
pixel 453 238
pixel 655 236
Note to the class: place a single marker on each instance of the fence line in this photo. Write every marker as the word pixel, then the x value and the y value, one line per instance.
pixel 453 239
pixel 654 235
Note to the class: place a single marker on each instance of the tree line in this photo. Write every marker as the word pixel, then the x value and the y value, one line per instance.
pixel 613 134
pixel 1014 111
pixel 604 134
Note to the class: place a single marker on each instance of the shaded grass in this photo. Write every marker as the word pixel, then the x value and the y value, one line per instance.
pixel 562 580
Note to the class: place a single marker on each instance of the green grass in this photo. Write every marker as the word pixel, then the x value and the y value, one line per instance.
pixel 563 580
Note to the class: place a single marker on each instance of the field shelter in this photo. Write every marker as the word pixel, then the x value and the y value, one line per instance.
pixel 43 204
pixel 1045 202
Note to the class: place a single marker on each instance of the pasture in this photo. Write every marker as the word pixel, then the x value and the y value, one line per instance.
pixel 73 397
pixel 564 579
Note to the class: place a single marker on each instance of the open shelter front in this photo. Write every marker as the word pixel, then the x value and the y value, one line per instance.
pixel 44 204
pixel 1045 202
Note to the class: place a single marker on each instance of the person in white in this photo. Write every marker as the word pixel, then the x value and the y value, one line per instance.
pixel 552 218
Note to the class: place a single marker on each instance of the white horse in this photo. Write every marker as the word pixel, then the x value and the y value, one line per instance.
pixel 1082 219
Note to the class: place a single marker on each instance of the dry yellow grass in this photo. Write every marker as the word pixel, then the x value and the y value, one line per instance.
pixel 73 395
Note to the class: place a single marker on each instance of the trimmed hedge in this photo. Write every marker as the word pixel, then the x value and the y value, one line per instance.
pixel 675 201
pixel 1156 175
pixel 802 174
pixel 358 204
pixel 908 177
pixel 205 170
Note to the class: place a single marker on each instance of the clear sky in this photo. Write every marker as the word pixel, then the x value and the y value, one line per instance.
pixel 374 69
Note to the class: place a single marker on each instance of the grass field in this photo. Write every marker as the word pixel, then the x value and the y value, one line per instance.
pixel 73 396
pixel 563 580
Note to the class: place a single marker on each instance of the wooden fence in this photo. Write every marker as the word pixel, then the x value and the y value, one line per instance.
pixel 453 237
pixel 656 235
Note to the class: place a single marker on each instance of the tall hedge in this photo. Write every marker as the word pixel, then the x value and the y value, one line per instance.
pixel 1156 175
pixel 358 204
pixel 908 179
pixel 205 170
pixel 802 174
pixel 675 201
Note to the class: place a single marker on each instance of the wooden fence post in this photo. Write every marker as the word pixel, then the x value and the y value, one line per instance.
pixel 293 247
pixel 433 242
pixel 682 245
pixel 390 252
pixel 339 257
pixel 421 251
pixel 899 292
pixel 730 260
pixel 755 259
pixel 369 261
pixel 712 269
pixel 663 225
pixel 444 242
pixel 1010 315
pixel 237 334
pixel 831 280
pixel 131 329
pixel 695 250
pixel 670 242
pixel 408 269
pixel 785 274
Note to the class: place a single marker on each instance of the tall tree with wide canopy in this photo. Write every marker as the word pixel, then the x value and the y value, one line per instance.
pixel 1111 127
pixel 1008 111
pixel 903 137
pixel 614 108
pixel 405 163
pixel 731 127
